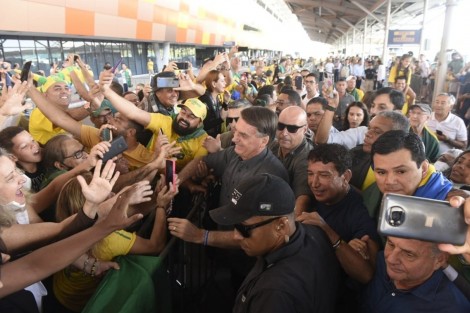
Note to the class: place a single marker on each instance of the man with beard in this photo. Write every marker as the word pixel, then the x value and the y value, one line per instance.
pixel 187 128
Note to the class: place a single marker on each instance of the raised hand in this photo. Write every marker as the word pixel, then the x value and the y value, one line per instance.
pixel 106 78
pixel 139 192
pixel 11 102
pixel 102 183
pixel 212 144
pixel 97 152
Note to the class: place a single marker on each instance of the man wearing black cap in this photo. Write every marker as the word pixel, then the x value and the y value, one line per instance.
pixel 296 270
pixel 419 114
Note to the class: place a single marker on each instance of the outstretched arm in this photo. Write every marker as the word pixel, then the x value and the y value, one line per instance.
pixel 124 107
pixel 54 114
pixel 45 261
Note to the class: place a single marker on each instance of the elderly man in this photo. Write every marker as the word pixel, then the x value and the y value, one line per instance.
pixel 385 99
pixel 419 115
pixel 409 273
pixel 296 270
pixel 292 149
pixel 450 128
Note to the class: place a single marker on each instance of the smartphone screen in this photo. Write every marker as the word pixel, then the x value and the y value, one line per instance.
pixel 298 82
pixel 25 71
pixel 170 171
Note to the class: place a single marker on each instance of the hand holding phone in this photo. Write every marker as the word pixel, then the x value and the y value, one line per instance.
pixel 439 132
pixel 118 146
pixel 170 173
pixel 329 87
pixel 422 219
pixel 182 65
pixel 298 82
pixel 25 71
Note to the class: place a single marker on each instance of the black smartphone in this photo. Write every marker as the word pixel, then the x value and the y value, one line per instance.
pixel 75 58
pixel 118 146
pixel 242 49
pixel 25 71
pixel 182 65
pixel 170 171
pixel 439 132
pixel 422 219
pixel 116 65
pixel 106 134
pixel 298 82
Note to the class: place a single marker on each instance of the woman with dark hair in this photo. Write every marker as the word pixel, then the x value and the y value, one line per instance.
pixel 356 115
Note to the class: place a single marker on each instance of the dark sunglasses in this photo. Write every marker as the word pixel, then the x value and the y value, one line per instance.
pixel 229 120
pixel 290 128
pixel 244 230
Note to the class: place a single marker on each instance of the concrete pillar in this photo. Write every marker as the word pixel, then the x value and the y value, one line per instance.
pixel 364 40
pixel 421 44
pixel 387 26
pixel 162 54
pixel 442 64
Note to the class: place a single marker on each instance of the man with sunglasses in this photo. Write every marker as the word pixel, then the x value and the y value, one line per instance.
pixel 296 270
pixel 292 148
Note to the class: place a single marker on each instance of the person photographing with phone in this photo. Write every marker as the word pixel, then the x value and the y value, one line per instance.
pixel 410 270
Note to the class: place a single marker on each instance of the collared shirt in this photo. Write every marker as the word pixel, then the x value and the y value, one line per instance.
pixel 232 169
pixel 296 164
pixel 453 127
pixel 301 276
pixel 437 294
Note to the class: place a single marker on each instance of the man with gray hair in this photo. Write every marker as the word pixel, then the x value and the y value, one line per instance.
pixel 449 128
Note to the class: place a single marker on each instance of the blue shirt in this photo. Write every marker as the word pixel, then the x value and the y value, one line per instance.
pixel 437 294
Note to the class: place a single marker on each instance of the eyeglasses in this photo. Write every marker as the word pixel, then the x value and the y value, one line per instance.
pixel 77 155
pixel 229 120
pixel 244 230
pixel 290 128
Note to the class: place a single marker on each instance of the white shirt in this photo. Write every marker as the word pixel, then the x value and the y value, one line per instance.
pixel 453 127
pixel 348 138
pixel 381 72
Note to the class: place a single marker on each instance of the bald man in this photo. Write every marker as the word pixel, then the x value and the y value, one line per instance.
pixel 292 149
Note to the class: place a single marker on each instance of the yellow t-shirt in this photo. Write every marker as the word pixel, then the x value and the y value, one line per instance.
pixel 137 158
pixel 190 148
pixel 72 288
pixel 41 128
pixel 393 75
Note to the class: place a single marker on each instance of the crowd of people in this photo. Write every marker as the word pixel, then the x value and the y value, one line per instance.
pixel 293 159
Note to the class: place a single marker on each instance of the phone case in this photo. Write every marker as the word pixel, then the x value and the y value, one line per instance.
pixel 170 170
pixel 25 71
pixel 422 219
pixel 118 146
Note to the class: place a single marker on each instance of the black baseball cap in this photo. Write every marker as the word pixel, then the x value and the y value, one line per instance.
pixel 259 195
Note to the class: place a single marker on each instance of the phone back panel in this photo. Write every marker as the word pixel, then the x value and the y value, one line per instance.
pixel 420 218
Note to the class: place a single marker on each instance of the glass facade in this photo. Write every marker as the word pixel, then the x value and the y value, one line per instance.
pixel 44 52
